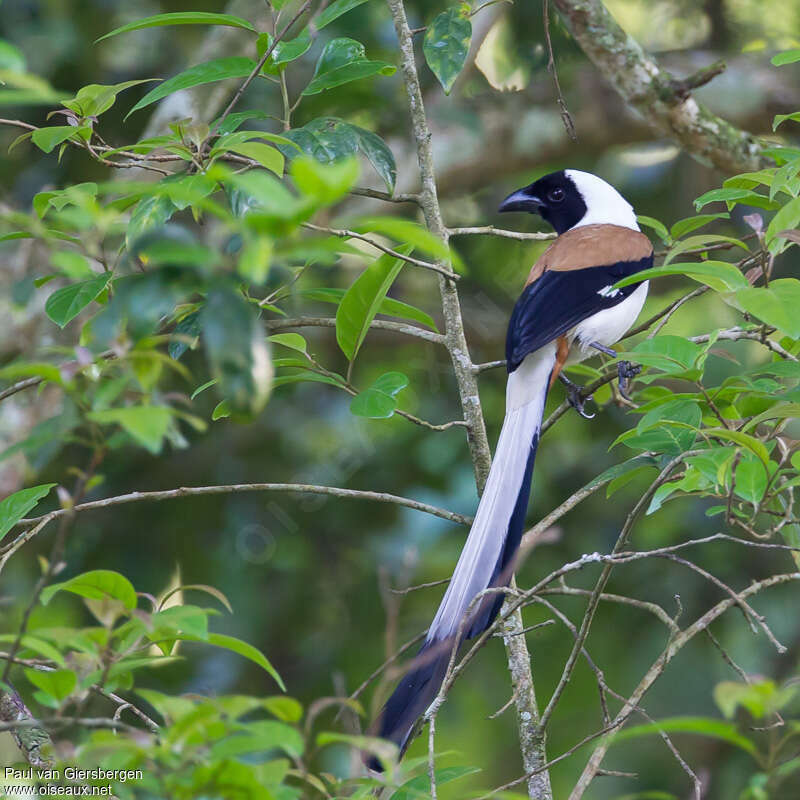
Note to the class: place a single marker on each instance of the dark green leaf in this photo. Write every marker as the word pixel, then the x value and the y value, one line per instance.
pixel 446 44
pixel 188 329
pixel 420 786
pixel 344 60
pixel 379 155
pixel 334 11
pixel 219 69
pixel 182 18
pixel 260 736
pixel 65 304
pixel 327 139
pixel 237 351
pixel 14 507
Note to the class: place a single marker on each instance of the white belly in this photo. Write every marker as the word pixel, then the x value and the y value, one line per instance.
pixel 606 327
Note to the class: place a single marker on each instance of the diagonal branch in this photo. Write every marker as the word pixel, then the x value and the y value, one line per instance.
pixel 661 100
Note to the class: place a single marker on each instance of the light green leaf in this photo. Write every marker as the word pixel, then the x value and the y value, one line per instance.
pixel 146 424
pixel 294 341
pixel 65 304
pixel 702 726
pixel 389 306
pixel 418 787
pixel 786 57
pixel 407 231
pixel 362 301
pixel 719 275
pixel 776 305
pixel 58 684
pixel 751 480
pixel 151 213
pixel 260 736
pixel 324 183
pixel 96 585
pixel 96 98
pixel 247 651
pixel 182 18
pixel 781 118
pixel 266 155
pixel 47 139
pixel 689 224
pixel 14 507
pixel 655 225
pixel 219 69
pixel 788 217
pixel 446 44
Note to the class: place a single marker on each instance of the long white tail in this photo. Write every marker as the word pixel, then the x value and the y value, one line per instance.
pixel 487 557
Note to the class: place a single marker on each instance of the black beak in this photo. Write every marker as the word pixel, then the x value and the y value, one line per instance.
pixel 521 200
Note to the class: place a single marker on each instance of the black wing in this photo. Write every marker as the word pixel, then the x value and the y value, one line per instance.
pixel 558 301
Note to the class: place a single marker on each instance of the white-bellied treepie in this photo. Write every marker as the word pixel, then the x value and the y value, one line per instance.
pixel 568 309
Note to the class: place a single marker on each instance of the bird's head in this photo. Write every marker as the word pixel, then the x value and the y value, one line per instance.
pixel 569 198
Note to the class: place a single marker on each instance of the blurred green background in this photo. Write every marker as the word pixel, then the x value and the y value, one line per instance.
pixel 308 576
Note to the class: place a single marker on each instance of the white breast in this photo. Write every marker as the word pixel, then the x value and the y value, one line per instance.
pixel 606 327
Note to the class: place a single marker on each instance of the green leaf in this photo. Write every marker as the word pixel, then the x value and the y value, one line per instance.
pixel 324 183
pixel 702 726
pixel 362 301
pixel 671 354
pixel 788 217
pixel 655 225
pixel 286 709
pixel 378 401
pixel 719 275
pixel 96 585
pixel 389 306
pixel 728 195
pixel 266 155
pixel 344 60
pixel 147 425
pixel 327 139
pixel 334 11
pixel 96 98
pixel 405 230
pixel 786 57
pixel 150 214
pixel 781 118
pixel 47 139
pixel 293 341
pixel 754 445
pixel 751 480
pixel 65 304
pixel 689 224
pixel 260 736
pixel 760 699
pixel 58 684
pixel 420 786
pixel 247 651
pixel 379 155
pixel 237 351
pixel 219 69
pixel 776 305
pixel 14 507
pixel 446 44
pixel 182 18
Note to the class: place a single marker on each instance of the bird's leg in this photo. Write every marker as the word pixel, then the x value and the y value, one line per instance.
pixel 625 369
pixel 575 396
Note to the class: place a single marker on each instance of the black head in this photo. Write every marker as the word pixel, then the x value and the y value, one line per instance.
pixel 555 197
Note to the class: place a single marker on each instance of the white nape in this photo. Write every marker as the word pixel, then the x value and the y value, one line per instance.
pixel 604 204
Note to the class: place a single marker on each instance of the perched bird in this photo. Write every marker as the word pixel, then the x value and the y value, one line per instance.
pixel 568 309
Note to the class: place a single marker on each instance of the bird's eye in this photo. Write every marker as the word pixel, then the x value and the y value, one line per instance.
pixel 555 195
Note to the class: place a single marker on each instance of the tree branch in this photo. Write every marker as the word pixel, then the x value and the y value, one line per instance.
pixel 654 93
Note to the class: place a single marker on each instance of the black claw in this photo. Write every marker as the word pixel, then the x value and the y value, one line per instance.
pixel 575 396
pixel 626 371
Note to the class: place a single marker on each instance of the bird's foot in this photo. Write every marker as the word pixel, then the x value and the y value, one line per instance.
pixel 625 372
pixel 575 396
